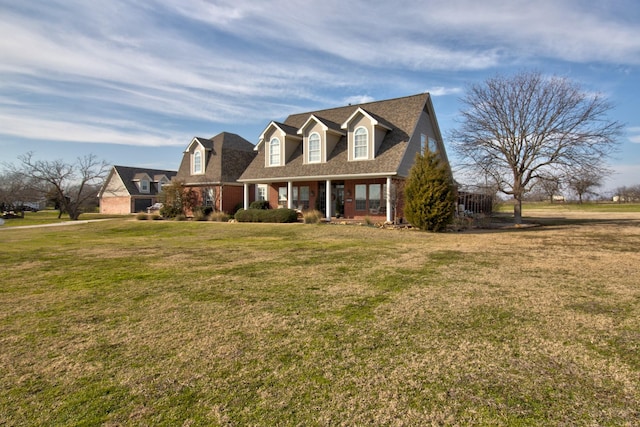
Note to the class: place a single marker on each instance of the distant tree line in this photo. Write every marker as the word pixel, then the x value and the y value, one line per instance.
pixel 70 187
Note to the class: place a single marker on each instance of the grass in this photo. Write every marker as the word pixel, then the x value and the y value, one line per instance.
pixel 604 207
pixel 205 323
pixel 46 217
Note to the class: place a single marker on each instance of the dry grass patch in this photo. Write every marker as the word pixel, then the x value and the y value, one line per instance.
pixel 203 323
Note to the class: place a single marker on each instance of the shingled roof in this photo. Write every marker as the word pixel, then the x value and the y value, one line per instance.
pixel 400 115
pixel 130 175
pixel 226 157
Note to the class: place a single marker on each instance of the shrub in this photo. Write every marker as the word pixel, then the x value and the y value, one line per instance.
pixel 266 215
pixel 312 217
pixel 219 216
pixel 141 216
pixel 180 217
pixel 156 216
pixel 429 194
pixel 259 204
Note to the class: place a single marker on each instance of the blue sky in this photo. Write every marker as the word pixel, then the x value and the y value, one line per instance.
pixel 134 81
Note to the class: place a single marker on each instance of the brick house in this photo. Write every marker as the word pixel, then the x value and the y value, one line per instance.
pixel 212 168
pixel 347 162
pixel 130 189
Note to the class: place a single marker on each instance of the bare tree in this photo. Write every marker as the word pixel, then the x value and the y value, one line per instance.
pixel 71 184
pixel 518 129
pixel 15 191
pixel 550 186
pixel 584 181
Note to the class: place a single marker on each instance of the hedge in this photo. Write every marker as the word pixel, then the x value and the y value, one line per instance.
pixel 266 215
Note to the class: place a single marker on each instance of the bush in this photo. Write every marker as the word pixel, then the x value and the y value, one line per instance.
pixel 259 204
pixel 430 198
pixel 141 216
pixel 180 217
pixel 312 217
pixel 219 216
pixel 264 215
pixel 156 216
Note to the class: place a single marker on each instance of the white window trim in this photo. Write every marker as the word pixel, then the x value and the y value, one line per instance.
pixel 142 186
pixel 265 187
pixel 319 148
pixel 193 163
pixel 366 146
pixel 271 145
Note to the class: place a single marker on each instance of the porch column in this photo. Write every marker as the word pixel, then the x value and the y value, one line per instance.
pixel 246 196
pixel 388 197
pixel 290 195
pixel 328 200
pixel 221 186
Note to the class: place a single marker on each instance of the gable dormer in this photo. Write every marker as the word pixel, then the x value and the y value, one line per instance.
pixel 365 133
pixel 197 151
pixel 319 138
pixel 280 141
pixel 161 181
pixel 143 182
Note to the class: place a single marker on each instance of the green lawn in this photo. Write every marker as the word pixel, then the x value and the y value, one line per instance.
pixel 204 323
pixel 46 217
pixel 571 207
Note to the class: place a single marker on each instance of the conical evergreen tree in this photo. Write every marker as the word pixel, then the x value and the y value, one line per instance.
pixel 430 197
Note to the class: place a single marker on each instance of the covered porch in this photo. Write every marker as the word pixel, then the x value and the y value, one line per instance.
pixel 349 198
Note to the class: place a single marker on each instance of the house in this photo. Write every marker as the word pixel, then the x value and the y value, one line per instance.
pixel 131 189
pixel 347 162
pixel 212 168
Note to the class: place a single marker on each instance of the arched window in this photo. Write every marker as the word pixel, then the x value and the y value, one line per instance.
pixel 314 148
pixel 360 143
pixel 274 152
pixel 197 162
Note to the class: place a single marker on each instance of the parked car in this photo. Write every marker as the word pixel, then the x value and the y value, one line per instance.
pixel 155 208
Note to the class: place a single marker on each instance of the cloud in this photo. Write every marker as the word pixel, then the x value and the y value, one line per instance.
pixel 88 130
pixel 234 62
pixel 634 134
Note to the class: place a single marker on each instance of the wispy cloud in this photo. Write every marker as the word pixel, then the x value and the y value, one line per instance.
pixel 134 68
pixel 634 134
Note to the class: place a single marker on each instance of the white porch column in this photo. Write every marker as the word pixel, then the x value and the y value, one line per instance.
pixel 328 199
pixel 221 187
pixel 290 195
pixel 246 196
pixel 388 197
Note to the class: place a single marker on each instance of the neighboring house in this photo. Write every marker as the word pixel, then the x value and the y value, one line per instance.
pixel 130 189
pixel 212 167
pixel 348 162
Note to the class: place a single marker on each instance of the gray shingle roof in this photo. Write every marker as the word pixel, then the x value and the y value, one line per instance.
pixel 227 156
pixel 400 114
pixel 131 175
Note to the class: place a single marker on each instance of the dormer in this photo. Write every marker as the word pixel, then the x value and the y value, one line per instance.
pixel 365 133
pixel 197 156
pixel 143 182
pixel 280 142
pixel 319 138
pixel 161 181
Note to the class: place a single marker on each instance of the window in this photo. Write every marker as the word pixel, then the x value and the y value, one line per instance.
pixel 261 192
pixel 144 186
pixel 208 196
pixel 361 197
pixel 282 196
pixel 314 148
pixel 423 144
pixel 300 197
pixel 274 152
pixel 197 162
pixel 360 143
pixel 433 145
pixel 374 197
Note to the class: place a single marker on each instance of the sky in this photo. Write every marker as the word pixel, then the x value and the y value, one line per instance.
pixel 133 82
